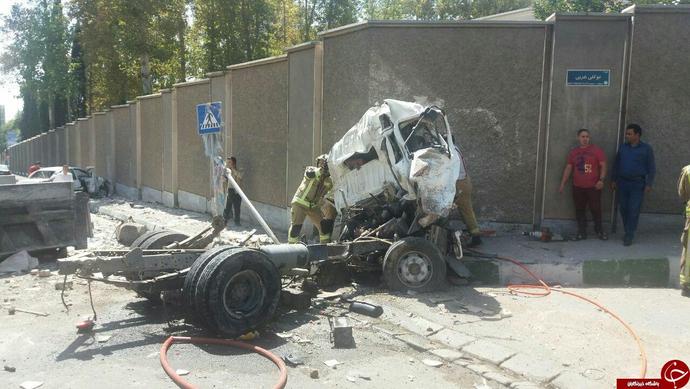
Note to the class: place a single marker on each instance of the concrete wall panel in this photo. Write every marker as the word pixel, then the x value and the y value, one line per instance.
pixel 167 158
pixel 494 114
pixel 659 94
pixel 302 93
pixel 61 146
pixel 83 126
pixel 73 144
pixel 596 108
pixel 101 141
pixel 125 162
pixel 151 116
pixel 259 120
pixel 192 163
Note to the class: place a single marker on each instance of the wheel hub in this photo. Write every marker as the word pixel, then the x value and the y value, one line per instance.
pixel 243 294
pixel 414 269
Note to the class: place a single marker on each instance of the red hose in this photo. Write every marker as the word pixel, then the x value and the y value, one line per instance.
pixel 179 381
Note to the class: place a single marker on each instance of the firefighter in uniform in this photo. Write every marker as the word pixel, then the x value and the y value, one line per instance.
pixel 310 201
pixel 684 193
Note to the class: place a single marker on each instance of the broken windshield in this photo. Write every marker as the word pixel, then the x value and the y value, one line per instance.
pixel 425 132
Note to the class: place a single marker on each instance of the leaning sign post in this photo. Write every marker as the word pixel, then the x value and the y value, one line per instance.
pixel 209 126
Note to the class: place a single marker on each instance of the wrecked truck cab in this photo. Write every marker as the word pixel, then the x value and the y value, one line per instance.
pixel 397 151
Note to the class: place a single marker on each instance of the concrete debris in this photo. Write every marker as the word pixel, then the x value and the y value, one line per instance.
pixel 30 384
pixel 314 373
pixel 342 333
pixel 127 233
pixel 483 385
pixel 181 372
pixel 594 374
pixel 284 335
pixel 432 362
pixel 34 272
pixel 44 273
pixel 10 369
pixel 293 360
pixel 300 339
pixel 332 363
pixel 18 262
pixel 351 379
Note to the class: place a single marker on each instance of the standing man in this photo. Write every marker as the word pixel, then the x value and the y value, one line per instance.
pixel 233 201
pixel 632 177
pixel 463 201
pixel 62 176
pixel 308 201
pixel 587 162
pixel 684 193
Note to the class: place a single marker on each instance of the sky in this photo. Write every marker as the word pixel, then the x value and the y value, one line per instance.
pixel 9 90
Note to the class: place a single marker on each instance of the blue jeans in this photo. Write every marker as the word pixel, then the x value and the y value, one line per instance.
pixel 630 194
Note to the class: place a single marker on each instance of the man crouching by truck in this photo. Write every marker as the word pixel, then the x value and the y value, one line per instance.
pixel 309 200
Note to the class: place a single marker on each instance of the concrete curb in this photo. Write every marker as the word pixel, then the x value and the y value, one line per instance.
pixel 626 272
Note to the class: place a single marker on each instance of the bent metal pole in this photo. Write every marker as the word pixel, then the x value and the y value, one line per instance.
pixel 256 214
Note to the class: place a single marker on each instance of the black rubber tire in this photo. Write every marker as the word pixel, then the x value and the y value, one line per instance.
pixel 145 236
pixel 161 240
pixel 423 249
pixel 250 303
pixel 191 279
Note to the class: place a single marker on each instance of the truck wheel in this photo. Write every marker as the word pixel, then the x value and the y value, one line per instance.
pixel 238 291
pixel 414 264
pixel 142 238
pixel 161 240
pixel 191 279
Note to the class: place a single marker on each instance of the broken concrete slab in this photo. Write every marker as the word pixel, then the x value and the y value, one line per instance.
pixel 447 354
pixel 532 367
pixel 499 377
pixel 415 341
pixel 452 338
pixel 488 351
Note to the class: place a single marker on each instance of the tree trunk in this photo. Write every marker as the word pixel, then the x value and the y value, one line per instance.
pixel 146 75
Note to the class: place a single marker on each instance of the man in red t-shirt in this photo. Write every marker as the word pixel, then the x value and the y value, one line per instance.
pixel 587 162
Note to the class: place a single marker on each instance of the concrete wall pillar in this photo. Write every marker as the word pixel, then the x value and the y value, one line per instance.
pixel 100 140
pixel 167 157
pixel 109 139
pixel 125 150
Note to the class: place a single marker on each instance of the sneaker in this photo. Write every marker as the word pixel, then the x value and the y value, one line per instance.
pixel 627 241
pixel 475 241
pixel 580 236
pixel 603 236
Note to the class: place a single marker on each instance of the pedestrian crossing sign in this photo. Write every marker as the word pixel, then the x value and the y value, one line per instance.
pixel 209 119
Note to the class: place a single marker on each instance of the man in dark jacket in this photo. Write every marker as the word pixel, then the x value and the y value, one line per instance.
pixel 632 177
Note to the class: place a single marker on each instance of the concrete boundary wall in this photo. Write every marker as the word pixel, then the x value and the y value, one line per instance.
pixel 101 139
pixel 61 146
pixel 259 120
pixel 169 159
pixel 125 150
pixel 596 108
pixel 502 84
pixel 658 97
pixel 150 129
pixel 192 176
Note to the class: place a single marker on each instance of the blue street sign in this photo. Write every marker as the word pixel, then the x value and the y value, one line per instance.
pixel 588 77
pixel 208 118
